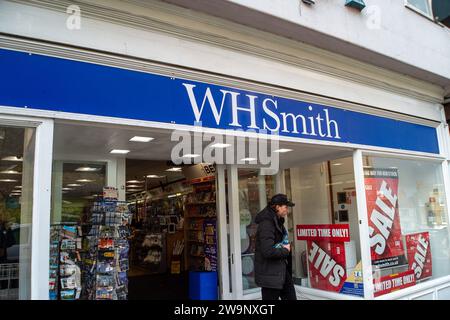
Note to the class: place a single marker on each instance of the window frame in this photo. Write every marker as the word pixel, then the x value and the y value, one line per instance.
pixel 420 12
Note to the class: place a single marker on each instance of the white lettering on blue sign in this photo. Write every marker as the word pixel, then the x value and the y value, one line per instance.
pixel 317 124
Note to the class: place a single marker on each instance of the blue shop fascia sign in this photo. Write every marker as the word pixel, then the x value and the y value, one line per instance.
pixel 47 83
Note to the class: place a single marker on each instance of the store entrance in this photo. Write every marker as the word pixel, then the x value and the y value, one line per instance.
pixel 173 229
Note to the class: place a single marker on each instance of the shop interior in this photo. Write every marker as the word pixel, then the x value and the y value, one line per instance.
pixel 16 186
pixel 173 228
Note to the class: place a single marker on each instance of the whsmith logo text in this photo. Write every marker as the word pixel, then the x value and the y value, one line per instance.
pixel 262 113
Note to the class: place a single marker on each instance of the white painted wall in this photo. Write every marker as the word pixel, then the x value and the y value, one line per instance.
pixel 402 33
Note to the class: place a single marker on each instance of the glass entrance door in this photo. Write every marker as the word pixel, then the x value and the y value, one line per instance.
pixel 248 192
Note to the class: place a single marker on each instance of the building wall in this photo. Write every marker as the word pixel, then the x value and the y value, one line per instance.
pixel 385 33
pixel 162 33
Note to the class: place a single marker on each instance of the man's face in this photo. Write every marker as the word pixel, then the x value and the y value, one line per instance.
pixel 282 210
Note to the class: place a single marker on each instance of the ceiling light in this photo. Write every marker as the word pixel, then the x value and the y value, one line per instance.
pixel 87 169
pixel 18 187
pixel 10 172
pixel 85 180
pixel 119 151
pixel 221 145
pixel 141 139
pixel 74 185
pixel 154 176
pixel 12 158
pixel 67 189
pixel 134 186
pixel 175 169
pixel 7 180
pixel 135 181
pixel 191 155
pixel 282 150
pixel 337 164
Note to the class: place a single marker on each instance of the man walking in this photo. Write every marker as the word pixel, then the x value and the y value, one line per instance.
pixel 273 251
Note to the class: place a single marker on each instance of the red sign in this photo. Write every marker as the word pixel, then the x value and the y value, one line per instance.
pixel 419 254
pixel 326 264
pixel 384 221
pixel 324 232
pixel 393 282
pixel 203 179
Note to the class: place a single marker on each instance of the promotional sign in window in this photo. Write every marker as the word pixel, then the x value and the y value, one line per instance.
pixel 393 282
pixel 327 265
pixel 384 220
pixel 323 232
pixel 419 254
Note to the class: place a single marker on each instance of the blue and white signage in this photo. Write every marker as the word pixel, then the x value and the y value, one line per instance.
pixel 48 83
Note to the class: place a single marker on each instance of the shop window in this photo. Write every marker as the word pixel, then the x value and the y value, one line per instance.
pixel 324 227
pixel 408 225
pixel 75 187
pixel 16 202
pixel 422 6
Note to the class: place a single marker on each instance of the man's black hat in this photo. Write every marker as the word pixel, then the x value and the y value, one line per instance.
pixel 281 199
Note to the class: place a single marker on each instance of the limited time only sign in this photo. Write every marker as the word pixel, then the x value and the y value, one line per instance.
pixel 323 232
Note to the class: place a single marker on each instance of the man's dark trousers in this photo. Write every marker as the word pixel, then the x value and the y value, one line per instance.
pixel 286 293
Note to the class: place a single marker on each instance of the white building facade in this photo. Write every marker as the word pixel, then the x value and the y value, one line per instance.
pixel 379 78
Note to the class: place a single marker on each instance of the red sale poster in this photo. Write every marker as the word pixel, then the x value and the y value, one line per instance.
pixel 419 254
pixel 326 265
pixel 393 282
pixel 384 221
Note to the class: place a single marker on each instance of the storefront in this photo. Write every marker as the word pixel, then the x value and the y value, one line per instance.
pixel 371 187
pixel 94 118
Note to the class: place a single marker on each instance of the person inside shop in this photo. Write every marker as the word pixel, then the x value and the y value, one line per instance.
pixel 273 259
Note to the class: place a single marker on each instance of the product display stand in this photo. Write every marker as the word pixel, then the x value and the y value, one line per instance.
pixel 54 262
pixel 90 260
pixel 107 261
pixel 65 262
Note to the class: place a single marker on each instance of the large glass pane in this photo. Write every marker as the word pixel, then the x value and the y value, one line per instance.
pixel 254 192
pixel 16 194
pixel 324 227
pixel 75 186
pixel 408 222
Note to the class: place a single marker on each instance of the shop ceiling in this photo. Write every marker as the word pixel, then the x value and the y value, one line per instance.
pixel 93 142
